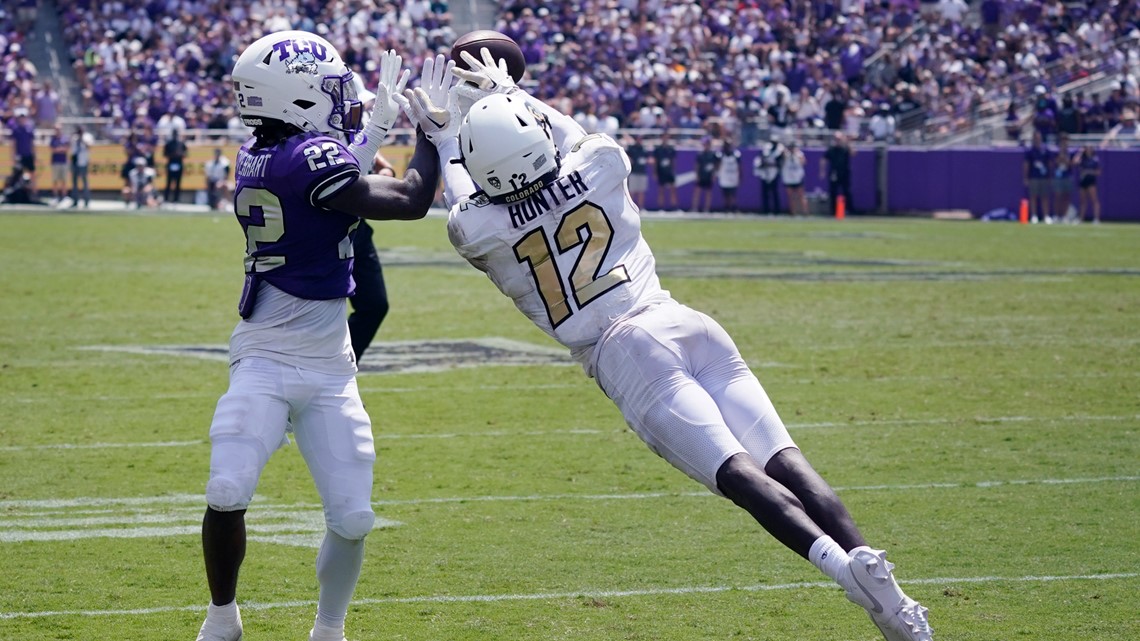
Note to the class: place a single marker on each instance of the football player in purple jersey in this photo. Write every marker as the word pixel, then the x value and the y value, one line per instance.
pixel 300 194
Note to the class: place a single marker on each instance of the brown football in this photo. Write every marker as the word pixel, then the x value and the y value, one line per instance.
pixel 500 45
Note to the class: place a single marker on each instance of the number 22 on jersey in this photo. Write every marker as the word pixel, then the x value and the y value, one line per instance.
pixel 587 228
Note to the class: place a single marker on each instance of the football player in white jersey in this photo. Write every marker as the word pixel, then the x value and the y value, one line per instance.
pixel 543 210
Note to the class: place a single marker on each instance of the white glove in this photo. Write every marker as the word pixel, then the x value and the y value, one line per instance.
pixel 482 79
pixel 384 112
pixel 429 106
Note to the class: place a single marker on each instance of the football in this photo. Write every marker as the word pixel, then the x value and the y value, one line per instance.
pixel 500 45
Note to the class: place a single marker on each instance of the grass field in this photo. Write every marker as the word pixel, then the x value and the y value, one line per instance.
pixel 972 390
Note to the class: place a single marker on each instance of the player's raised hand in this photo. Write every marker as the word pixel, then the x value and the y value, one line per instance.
pixel 391 85
pixel 489 75
pixel 384 112
pixel 429 106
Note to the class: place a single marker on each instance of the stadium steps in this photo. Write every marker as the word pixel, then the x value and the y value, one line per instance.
pixel 48 52
pixel 469 15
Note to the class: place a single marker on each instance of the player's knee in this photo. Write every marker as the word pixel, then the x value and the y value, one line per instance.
pixel 737 476
pixel 226 495
pixel 352 526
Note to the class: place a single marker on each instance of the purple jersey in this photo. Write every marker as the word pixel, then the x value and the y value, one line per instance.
pixel 293 241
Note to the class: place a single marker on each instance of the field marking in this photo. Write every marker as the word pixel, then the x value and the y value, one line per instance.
pixel 302 524
pixel 583 385
pixel 584 593
pixel 384 436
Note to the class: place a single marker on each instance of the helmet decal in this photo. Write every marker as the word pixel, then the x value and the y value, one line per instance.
pixel 298 78
pixel 302 63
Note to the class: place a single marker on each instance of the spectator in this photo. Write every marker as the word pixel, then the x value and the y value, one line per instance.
pixel 1089 168
pixel 47 106
pixel 780 117
pixel 1092 118
pixel 59 147
pixel 175 152
pixel 882 125
pixel 1038 170
pixel 835 166
pixel 141 184
pixel 1127 131
pixel 664 165
pixel 1069 117
pixel 23 132
pixel 81 143
pixel 1063 174
pixel 707 162
pixel 169 125
pixel 1044 114
pixel 792 174
pixel 1013 122
pixel 639 169
pixel 217 171
pixel 766 166
pixel 834 110
pixel 728 174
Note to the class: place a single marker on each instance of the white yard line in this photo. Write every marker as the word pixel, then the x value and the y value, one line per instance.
pixel 975 420
pixel 175 502
pixel 584 593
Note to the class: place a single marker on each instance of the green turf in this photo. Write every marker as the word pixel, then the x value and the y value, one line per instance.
pixel 971 389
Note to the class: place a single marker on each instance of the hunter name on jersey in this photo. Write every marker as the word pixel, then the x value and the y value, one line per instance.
pixel 547 198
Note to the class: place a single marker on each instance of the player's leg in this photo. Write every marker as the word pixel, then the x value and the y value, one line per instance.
pixel 334 434
pixel 645 367
pixel 248 426
pixel 863 572
pixel 370 302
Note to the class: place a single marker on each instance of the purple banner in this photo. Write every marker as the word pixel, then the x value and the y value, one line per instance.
pixel 922 181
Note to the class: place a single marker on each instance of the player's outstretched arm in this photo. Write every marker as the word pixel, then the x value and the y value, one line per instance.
pixel 378 197
pixel 488 76
pixel 385 111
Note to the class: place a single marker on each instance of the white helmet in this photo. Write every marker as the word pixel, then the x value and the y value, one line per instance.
pixel 297 77
pixel 507 148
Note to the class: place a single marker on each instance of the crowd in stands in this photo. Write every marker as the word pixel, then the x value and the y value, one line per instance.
pixel 156 65
pixel 875 69
pixel 18 79
pixel 745 65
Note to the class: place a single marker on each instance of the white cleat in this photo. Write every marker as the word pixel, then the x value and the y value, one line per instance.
pixel 870 584
pixel 325 634
pixel 214 632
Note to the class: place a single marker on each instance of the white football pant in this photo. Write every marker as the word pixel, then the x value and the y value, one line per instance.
pixel 683 387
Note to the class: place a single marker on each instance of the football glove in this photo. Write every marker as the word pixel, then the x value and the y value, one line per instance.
pixel 482 79
pixel 429 106
pixel 384 112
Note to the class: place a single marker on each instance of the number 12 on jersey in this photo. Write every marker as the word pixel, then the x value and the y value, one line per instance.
pixel 586 227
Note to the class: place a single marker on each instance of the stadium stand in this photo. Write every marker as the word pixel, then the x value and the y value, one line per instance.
pixel 937 74
pixel 723 67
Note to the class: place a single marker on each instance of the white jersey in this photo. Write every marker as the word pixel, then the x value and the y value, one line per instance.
pixel 310 334
pixel 571 255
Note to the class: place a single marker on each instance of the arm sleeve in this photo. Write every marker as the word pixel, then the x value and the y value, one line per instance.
pixel 457 183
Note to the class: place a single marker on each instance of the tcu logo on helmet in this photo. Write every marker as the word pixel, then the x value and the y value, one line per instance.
pixel 301 56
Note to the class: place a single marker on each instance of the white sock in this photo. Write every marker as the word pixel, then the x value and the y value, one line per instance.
pixel 831 559
pixel 223 613
pixel 338 568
